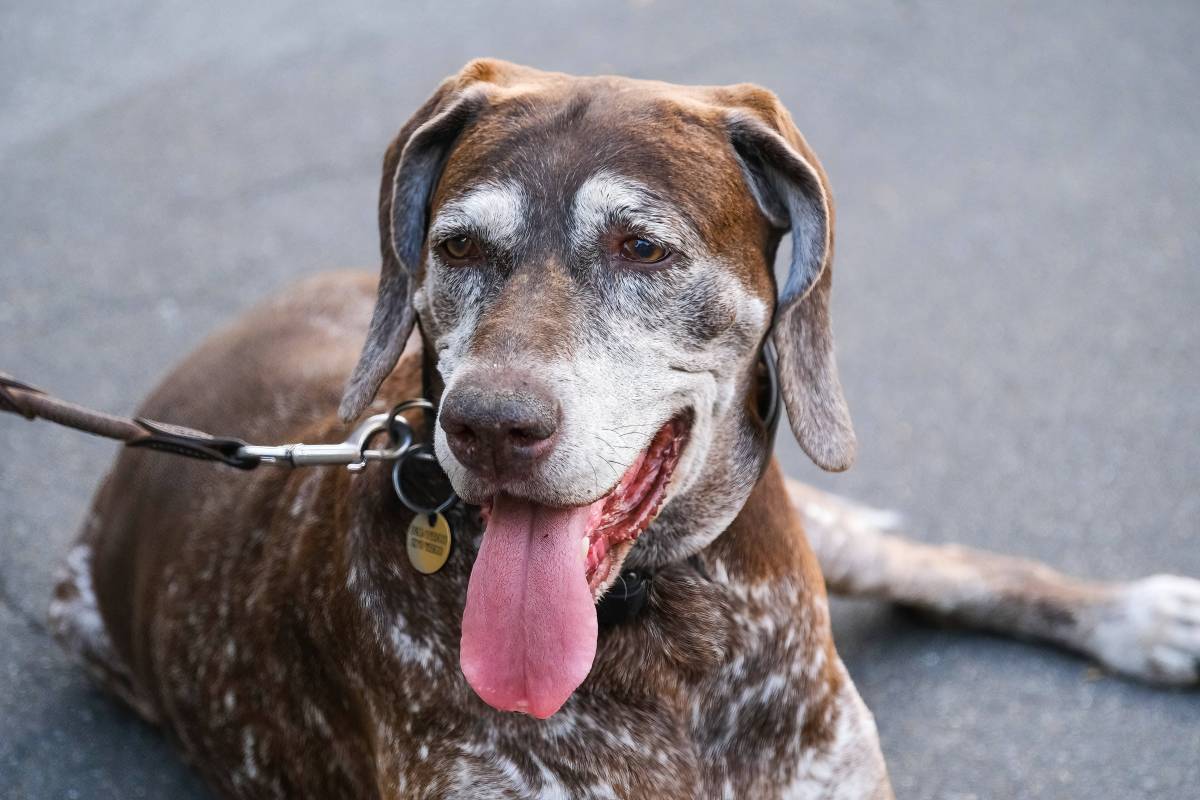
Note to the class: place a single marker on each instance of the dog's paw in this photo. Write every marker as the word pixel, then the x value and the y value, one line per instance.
pixel 1150 629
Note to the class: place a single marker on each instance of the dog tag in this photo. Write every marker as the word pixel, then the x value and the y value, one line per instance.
pixel 429 542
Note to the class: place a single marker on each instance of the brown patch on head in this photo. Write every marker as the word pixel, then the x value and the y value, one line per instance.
pixel 532 315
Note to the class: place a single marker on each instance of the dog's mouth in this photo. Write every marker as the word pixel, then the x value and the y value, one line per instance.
pixel 619 517
pixel 529 627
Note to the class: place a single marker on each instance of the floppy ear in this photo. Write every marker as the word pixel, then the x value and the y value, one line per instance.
pixel 792 191
pixel 411 168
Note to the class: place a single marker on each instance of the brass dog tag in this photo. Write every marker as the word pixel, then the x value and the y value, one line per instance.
pixel 429 542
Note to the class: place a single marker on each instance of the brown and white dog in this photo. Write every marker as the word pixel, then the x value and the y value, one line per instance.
pixel 590 264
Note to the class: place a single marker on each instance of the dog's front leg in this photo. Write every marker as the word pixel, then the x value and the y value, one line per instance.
pixel 1147 629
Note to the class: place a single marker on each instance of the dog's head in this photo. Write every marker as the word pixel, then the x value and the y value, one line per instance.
pixel 591 263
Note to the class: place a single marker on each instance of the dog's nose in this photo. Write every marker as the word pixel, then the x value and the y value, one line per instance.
pixel 500 428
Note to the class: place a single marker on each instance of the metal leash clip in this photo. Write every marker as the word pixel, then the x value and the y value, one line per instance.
pixel 355 452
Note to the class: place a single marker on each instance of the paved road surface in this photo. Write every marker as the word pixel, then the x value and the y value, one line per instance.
pixel 1018 286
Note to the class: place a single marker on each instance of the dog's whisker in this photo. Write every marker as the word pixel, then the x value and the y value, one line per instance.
pixel 612 446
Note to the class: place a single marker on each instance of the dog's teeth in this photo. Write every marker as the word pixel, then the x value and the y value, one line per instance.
pixel 586 546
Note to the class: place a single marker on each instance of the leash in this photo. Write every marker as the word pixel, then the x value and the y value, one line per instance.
pixel 354 453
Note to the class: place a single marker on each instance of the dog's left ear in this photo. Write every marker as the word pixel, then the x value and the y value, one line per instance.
pixel 792 191
pixel 411 168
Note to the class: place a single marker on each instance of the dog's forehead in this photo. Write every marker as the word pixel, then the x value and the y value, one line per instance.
pixel 551 139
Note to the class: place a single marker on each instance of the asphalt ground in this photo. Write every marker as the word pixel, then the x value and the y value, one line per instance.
pixel 1017 293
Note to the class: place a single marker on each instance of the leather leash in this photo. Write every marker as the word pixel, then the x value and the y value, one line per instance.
pixel 33 403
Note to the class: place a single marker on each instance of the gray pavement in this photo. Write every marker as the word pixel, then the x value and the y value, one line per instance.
pixel 1018 285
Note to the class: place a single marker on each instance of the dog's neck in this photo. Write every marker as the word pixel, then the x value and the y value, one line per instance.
pixel 678 648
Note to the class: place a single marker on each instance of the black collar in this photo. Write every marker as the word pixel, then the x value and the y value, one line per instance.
pixel 625 599
pixel 770 404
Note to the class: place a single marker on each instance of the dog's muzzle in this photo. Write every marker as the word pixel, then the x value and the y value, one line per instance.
pixel 501 427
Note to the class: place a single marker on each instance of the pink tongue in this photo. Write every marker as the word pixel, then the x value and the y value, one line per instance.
pixel 529 628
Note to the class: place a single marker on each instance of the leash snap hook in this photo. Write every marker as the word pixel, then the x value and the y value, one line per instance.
pixel 400 434
pixel 400 439
pixel 354 452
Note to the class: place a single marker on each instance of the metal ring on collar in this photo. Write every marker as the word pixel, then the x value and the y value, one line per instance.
pixel 425 453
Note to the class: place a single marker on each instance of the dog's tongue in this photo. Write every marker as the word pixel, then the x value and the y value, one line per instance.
pixel 529 628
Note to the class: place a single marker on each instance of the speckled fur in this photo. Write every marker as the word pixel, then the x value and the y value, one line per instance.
pixel 271 622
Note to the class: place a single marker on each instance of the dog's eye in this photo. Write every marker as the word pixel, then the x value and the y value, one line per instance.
pixel 643 251
pixel 460 248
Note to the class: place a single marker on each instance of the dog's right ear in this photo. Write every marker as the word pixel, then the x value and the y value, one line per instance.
pixel 792 192
pixel 411 168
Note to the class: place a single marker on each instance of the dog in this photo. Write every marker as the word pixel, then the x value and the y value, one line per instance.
pixel 578 272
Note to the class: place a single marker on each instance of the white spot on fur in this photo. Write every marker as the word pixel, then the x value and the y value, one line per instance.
pixel 76 621
pixel 606 199
pixel 410 650
pixel 84 610
pixel 851 766
pixel 249 760
pixel 305 493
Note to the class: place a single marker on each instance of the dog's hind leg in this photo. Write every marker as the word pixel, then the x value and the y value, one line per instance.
pixel 1148 629
pixel 75 621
